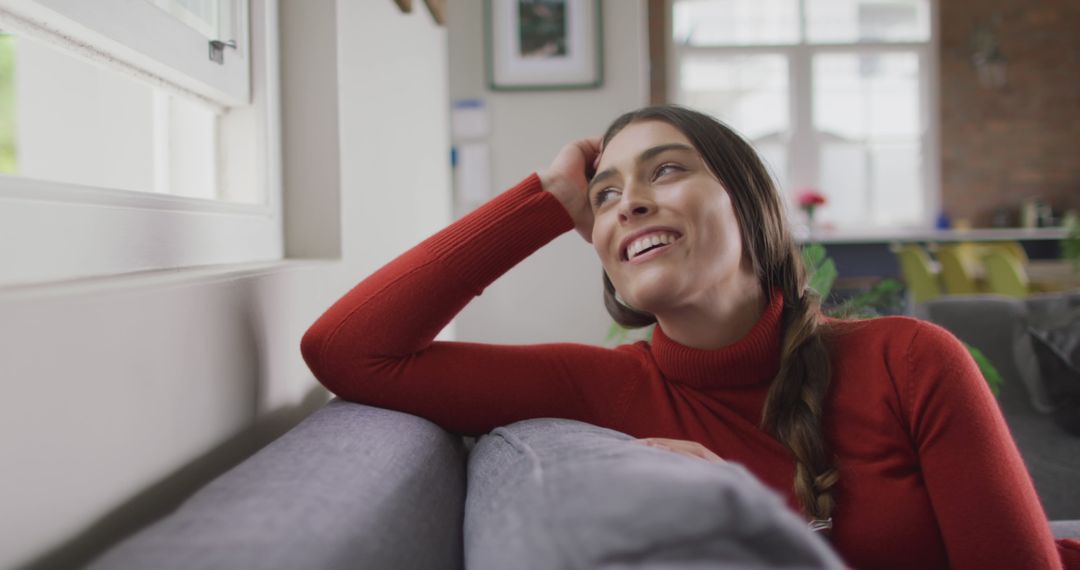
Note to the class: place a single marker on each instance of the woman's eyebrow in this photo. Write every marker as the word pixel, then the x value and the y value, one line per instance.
pixel 644 156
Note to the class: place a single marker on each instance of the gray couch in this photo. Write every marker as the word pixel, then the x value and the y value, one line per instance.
pixel 359 487
pixel 999 327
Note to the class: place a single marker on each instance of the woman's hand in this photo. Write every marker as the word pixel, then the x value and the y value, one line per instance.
pixel 568 179
pixel 681 446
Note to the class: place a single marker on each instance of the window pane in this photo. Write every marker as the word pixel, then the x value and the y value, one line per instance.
pixel 748 92
pixel 65 119
pixel 774 155
pixel 895 180
pixel 203 16
pixel 735 22
pixel 845 21
pixel 867 95
pixel 843 181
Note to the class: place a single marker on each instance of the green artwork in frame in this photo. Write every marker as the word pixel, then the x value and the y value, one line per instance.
pixel 543 44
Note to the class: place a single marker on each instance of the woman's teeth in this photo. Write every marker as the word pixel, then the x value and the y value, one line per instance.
pixel 639 246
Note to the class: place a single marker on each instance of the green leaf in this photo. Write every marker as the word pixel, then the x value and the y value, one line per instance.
pixel 616 333
pixel 1070 246
pixel 989 372
pixel 813 254
pixel 820 268
pixel 823 277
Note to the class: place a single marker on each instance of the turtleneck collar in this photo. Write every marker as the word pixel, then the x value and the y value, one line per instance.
pixel 753 359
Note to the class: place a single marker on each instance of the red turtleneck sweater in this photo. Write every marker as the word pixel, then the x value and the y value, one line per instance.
pixel 929 475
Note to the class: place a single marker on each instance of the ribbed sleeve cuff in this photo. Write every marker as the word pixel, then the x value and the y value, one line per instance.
pixel 498 235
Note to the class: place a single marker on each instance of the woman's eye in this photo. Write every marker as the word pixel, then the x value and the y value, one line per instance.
pixel 602 196
pixel 666 168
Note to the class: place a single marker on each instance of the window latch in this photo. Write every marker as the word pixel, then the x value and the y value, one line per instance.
pixel 217 50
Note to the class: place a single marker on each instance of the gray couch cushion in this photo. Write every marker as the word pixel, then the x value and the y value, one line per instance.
pixel 350 487
pixel 1056 339
pixel 554 494
pixel 1066 529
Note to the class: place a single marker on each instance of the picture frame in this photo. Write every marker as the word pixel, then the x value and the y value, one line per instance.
pixel 536 45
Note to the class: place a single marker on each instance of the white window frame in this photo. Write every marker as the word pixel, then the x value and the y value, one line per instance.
pixel 803 144
pixel 53 232
pixel 146 40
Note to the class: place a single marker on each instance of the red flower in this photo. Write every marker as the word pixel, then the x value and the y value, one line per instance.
pixel 809 198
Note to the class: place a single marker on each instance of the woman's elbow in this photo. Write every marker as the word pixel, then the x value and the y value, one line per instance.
pixel 310 344
pixel 337 371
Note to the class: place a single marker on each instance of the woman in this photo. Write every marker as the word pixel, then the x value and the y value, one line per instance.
pixel 882 431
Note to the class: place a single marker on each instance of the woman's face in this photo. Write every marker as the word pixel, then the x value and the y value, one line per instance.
pixel 665 228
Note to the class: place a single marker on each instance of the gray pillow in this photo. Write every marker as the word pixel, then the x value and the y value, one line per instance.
pixel 1056 339
pixel 552 494
pixel 352 486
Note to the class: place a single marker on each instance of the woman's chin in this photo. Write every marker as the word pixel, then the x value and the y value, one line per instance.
pixel 651 299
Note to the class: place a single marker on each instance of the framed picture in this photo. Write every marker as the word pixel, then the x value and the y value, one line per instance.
pixel 543 44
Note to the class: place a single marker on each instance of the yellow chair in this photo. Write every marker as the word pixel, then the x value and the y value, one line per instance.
pixel 1012 248
pixel 959 268
pixel 1004 274
pixel 918 272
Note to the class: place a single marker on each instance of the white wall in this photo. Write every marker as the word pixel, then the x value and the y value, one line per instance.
pixel 120 396
pixel 556 294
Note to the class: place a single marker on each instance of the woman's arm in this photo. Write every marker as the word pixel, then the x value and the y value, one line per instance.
pixel 982 495
pixel 375 345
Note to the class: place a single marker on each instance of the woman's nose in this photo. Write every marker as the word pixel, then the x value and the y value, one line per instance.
pixel 635 205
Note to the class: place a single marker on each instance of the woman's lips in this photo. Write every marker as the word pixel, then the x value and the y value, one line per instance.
pixel 654 252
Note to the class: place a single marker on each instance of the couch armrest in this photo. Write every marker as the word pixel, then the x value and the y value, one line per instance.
pixel 1066 529
pixel 351 486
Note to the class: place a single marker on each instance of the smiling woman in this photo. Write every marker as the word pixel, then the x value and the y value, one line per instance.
pixel 864 428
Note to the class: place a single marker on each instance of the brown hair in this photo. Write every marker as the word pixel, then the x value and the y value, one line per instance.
pixel 793 407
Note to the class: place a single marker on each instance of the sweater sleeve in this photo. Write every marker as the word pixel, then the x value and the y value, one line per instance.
pixel 982 495
pixel 375 345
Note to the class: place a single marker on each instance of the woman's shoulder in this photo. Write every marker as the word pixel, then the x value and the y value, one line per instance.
pixel 900 336
pixel 892 329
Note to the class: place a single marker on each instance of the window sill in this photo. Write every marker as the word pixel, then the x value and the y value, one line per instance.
pixel 162 278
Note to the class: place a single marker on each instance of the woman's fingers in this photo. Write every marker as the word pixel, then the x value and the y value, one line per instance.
pixel 683 447
pixel 568 179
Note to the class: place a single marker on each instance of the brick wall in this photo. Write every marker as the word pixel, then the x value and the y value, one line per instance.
pixel 1001 146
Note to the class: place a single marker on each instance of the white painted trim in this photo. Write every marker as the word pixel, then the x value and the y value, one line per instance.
pixel 932 149
pixel 310 42
pixel 140 40
pixel 58 232
pixel 159 279
pixel 26 189
pixel 886 235
pixel 645 86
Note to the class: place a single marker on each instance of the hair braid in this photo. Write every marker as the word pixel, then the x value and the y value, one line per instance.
pixel 793 407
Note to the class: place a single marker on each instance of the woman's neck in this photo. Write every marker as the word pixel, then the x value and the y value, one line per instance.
pixel 719 320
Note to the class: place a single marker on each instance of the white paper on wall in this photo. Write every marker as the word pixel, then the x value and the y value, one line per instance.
pixel 473 173
pixel 469 120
